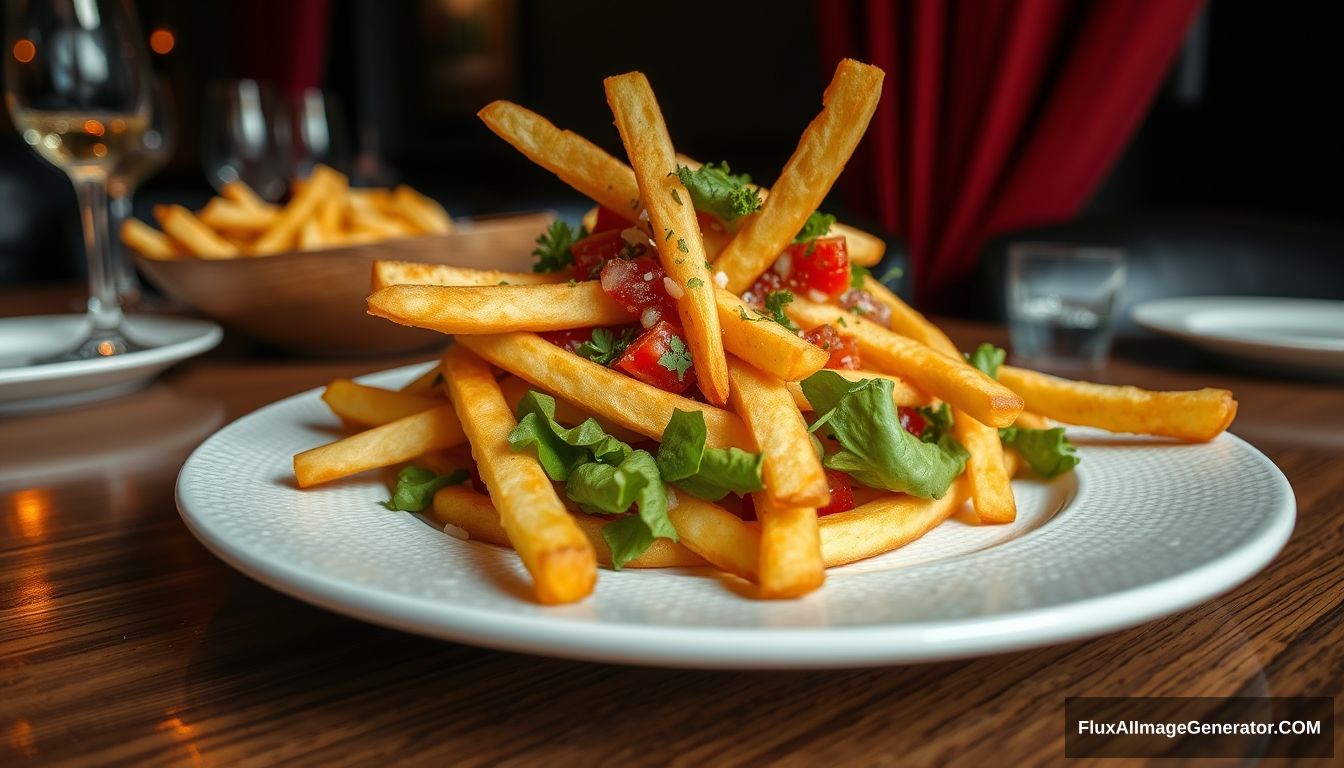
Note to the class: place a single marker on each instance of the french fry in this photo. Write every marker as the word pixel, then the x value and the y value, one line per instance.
pixel 675 228
pixel 323 183
pixel 985 476
pixel 1197 415
pixel 371 406
pixel 907 321
pixel 793 474
pixel 901 391
pixel 329 215
pixel 147 241
pixel 615 396
pixel 473 513
pixel 392 443
pixel 426 214
pixel 188 231
pixel 565 412
pixel 221 214
pixel 578 162
pixel 822 152
pixel 364 212
pixel 239 192
pixel 310 236
pixel 387 273
pixel 790 563
pixel 498 308
pixel 884 524
pixel 765 343
pixel 942 376
pixel 428 383
pixel 553 549
pixel 1029 420
pixel 717 535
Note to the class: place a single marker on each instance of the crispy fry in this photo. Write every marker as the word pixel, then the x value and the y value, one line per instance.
pixel 387 273
pixel 147 241
pixel 901 392
pixel 382 446
pixel 323 183
pixel 986 478
pixel 188 231
pixel 942 376
pixel 717 535
pixel 906 321
pixel 565 412
pixel 239 192
pixel 426 214
pixel 884 524
pixel 765 343
pixel 329 215
pixel 822 152
pixel 498 308
pixel 677 232
pixel 578 162
pixel 428 383
pixel 1197 415
pixel 310 236
pixel 790 563
pixel 371 406
pixel 793 473
pixel 615 396
pixel 557 554
pixel 364 211
pixel 473 513
pixel 221 214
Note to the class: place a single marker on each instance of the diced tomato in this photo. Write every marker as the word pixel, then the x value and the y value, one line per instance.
pixel 570 339
pixel 818 265
pixel 638 285
pixel 844 351
pixel 593 251
pixel 912 420
pixel 643 358
pixel 608 219
pixel 766 284
pixel 842 493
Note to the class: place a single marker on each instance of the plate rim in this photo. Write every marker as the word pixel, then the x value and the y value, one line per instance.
pixel 207 334
pixel 1157 315
pixel 550 633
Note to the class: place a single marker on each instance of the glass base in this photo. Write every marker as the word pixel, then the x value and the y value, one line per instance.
pixel 99 343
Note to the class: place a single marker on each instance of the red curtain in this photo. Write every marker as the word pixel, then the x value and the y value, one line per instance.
pixel 995 114
pixel 284 43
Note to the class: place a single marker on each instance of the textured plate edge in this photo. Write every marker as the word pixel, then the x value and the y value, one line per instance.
pixel 209 336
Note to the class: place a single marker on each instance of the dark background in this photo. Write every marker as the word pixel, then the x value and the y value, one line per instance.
pixel 1247 124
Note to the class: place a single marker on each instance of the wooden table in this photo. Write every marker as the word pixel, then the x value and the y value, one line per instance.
pixel 122 641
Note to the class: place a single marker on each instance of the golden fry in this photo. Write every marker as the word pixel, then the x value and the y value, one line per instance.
pixel 907 321
pixel 553 549
pixel 428 383
pixel 188 231
pixel 942 376
pixel 323 183
pixel 1198 415
pixel 765 343
pixel 426 214
pixel 371 406
pixel 675 228
pixel 901 391
pixel 884 524
pixel 240 193
pixel 387 273
pixel 460 506
pixel 822 152
pixel 610 394
pixel 498 309
pixel 985 476
pixel 221 214
pixel 717 535
pixel 382 446
pixel 793 474
pixel 790 563
pixel 147 241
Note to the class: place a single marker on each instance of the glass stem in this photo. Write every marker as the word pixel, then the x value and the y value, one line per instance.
pixel 128 284
pixel 104 304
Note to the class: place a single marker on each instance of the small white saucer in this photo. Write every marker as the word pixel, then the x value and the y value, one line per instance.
pixel 27 388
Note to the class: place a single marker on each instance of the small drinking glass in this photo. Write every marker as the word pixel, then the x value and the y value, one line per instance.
pixel 1061 300
pixel 245 138
pixel 316 132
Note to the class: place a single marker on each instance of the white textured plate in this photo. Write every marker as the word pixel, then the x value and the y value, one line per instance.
pixel 1142 529
pixel 26 388
pixel 1303 334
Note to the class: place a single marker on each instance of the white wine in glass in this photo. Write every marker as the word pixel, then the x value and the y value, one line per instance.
pixel 77 87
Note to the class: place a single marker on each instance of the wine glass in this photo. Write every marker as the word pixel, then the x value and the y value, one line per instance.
pixel 244 138
pixel 316 132
pixel 138 163
pixel 77 88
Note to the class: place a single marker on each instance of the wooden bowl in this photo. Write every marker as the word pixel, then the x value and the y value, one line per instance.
pixel 312 302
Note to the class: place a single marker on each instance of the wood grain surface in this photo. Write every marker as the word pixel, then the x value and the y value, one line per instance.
pixel 123 642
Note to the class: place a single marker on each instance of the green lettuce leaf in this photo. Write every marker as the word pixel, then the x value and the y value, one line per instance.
pixel 875 449
pixel 1047 451
pixel 416 488
pixel 604 489
pixel 709 473
pixel 987 358
pixel 714 189
pixel 559 449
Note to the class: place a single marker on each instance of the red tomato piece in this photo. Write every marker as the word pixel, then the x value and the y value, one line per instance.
pixel 912 420
pixel 766 284
pixel 570 339
pixel 637 285
pixel 820 265
pixel 644 359
pixel 608 219
pixel 844 351
pixel 593 251
pixel 842 493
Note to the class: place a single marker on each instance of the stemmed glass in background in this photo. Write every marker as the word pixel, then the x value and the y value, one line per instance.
pixel 316 132
pixel 245 135
pixel 77 85
pixel 140 161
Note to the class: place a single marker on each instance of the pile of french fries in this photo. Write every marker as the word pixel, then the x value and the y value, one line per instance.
pixel 461 411
pixel 324 212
